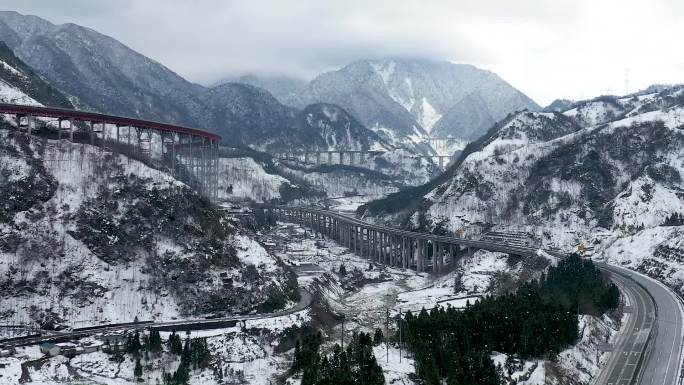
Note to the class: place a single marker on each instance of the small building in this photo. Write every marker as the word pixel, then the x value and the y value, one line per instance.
pixel 5 353
pixel 91 346
pixel 50 349
pixel 113 343
pixel 73 351
pixel 113 339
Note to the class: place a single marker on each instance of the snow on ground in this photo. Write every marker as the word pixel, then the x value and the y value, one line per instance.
pixel 658 252
pixel 250 252
pixel 578 364
pixel 350 204
pixel 249 357
pixel 428 115
pixel 244 178
pixel 11 370
pixel 524 372
pixel 397 368
pixel 242 353
pixel 583 361
pixel 11 69
pixel 344 182
pixel 474 274
pixel 364 295
pixel 120 292
pixel 12 95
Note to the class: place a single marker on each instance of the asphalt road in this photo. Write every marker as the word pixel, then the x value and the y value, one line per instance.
pixel 649 348
pixel 304 302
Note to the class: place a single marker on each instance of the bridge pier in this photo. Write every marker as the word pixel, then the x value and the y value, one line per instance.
pixel 396 248
pixel 435 251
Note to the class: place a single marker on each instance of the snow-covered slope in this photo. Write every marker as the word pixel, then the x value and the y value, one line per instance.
pixel 19 84
pixel 606 173
pixel 89 236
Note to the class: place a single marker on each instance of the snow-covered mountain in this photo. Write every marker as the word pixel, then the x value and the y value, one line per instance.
pixel 336 128
pixel 281 87
pixel 248 114
pixel 102 73
pixel 99 73
pixel 407 100
pixel 559 105
pixel 19 84
pixel 606 173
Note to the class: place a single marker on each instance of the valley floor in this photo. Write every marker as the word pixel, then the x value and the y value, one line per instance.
pixel 256 352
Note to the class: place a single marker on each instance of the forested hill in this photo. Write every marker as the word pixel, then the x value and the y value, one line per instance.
pixel 538 321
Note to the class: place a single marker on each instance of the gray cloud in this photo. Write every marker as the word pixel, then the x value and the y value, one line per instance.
pixel 548 49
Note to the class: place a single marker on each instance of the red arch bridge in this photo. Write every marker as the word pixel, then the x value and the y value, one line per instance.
pixel 190 154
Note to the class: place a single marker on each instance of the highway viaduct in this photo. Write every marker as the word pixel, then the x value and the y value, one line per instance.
pixel 648 350
pixel 394 247
pixel 190 154
pixel 348 157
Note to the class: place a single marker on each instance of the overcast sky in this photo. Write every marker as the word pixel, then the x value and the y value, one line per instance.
pixel 547 48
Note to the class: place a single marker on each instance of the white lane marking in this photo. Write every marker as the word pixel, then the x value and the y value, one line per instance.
pixel 680 307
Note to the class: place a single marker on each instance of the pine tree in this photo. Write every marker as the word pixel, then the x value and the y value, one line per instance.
pixel 175 344
pixel 133 343
pixel 155 341
pixel 138 371
pixel 378 337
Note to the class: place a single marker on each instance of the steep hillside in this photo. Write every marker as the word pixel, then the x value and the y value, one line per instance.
pixel 101 72
pixel 89 236
pixel 244 114
pixel 607 173
pixel 332 127
pixel 21 85
pixel 406 100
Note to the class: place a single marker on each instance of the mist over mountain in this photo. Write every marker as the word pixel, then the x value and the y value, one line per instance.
pixel 405 100
pixel 282 88
pixel 104 75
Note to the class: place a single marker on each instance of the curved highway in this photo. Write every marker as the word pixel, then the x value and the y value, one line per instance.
pixel 213 323
pixel 649 348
